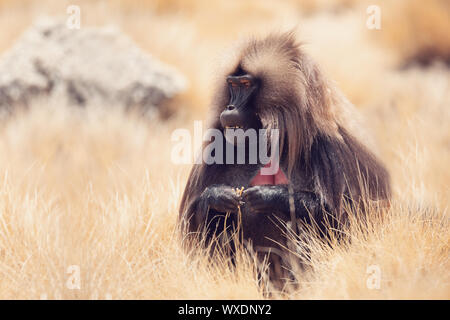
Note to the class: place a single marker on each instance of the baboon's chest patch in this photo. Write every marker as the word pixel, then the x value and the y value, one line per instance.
pixel 269 179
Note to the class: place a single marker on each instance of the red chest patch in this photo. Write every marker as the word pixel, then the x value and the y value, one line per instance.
pixel 277 178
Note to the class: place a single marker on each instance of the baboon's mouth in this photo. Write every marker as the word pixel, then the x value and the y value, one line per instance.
pixel 233 134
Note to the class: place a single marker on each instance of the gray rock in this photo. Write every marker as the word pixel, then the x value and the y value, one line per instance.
pixel 83 66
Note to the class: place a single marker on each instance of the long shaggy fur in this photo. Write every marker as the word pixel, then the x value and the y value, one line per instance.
pixel 326 166
pixel 310 114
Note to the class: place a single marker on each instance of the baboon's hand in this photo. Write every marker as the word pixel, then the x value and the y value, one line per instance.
pixel 220 198
pixel 263 199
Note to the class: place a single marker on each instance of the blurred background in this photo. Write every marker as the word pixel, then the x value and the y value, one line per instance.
pixel 93 186
pixel 191 34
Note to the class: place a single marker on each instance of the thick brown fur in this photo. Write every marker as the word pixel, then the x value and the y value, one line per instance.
pixel 318 152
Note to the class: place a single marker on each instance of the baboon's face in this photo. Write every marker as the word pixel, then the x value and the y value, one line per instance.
pixel 240 113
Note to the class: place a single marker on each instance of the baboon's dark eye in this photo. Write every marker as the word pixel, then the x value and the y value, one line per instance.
pixel 246 83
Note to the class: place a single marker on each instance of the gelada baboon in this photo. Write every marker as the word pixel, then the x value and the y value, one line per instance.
pixel 273 84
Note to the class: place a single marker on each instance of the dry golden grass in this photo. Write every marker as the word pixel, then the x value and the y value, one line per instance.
pixel 417 32
pixel 95 188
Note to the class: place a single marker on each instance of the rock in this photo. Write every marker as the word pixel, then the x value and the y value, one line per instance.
pixel 83 66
